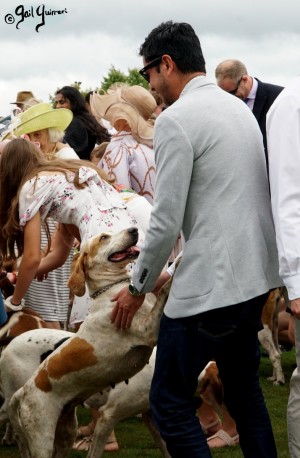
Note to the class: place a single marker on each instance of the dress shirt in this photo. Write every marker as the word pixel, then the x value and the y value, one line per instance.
pixel 252 94
pixel 283 134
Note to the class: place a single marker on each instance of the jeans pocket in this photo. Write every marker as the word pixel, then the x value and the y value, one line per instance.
pixel 216 330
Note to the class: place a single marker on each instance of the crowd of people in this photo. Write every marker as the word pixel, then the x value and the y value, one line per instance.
pixel 207 171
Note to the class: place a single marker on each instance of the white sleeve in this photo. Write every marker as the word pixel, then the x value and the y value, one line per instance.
pixel 67 153
pixel 283 134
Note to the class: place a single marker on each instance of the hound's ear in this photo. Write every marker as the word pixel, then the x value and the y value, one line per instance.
pixel 76 281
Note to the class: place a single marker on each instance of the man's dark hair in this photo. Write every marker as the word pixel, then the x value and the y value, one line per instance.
pixel 180 41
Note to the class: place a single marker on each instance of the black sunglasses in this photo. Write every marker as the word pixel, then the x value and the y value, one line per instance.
pixel 144 70
pixel 237 86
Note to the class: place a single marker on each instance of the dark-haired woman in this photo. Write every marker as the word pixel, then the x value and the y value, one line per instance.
pixel 84 131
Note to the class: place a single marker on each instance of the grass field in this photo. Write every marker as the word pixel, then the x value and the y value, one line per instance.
pixel 136 442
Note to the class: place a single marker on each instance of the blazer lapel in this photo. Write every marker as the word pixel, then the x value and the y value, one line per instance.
pixel 260 100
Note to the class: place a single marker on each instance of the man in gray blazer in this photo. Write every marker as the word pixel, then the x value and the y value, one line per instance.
pixel 212 184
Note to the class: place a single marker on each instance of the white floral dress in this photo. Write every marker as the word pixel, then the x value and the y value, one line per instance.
pixel 95 208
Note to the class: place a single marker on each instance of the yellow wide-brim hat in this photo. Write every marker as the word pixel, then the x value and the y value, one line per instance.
pixel 41 116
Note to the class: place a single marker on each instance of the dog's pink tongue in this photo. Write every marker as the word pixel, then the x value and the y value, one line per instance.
pixel 119 256
pixel 124 254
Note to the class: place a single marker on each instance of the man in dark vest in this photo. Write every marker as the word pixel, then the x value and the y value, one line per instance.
pixel 232 76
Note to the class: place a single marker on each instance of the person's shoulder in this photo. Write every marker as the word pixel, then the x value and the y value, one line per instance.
pixel 269 87
pixel 76 121
pixel 66 152
pixel 27 186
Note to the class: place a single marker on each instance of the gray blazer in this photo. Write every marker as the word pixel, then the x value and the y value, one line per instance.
pixel 211 182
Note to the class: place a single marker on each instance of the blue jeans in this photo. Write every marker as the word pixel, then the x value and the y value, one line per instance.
pixel 185 346
pixel 3 314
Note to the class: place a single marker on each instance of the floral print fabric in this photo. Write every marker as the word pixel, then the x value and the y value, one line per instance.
pixel 95 208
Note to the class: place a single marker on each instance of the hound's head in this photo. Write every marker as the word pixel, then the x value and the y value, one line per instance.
pixel 103 260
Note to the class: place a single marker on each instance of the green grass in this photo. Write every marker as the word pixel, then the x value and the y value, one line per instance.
pixel 135 440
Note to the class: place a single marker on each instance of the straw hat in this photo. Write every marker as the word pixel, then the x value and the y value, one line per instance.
pixel 134 104
pixel 23 96
pixel 41 116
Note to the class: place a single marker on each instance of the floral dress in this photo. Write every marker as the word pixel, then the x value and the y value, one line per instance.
pixel 93 209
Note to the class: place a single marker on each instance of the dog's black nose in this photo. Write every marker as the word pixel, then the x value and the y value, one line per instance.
pixel 133 230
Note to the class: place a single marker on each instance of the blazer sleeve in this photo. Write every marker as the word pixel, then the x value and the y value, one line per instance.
pixel 174 158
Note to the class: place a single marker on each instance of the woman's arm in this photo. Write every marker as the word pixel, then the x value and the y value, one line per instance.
pixel 61 245
pixel 30 259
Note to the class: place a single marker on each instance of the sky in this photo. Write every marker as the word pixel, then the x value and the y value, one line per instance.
pixel 41 51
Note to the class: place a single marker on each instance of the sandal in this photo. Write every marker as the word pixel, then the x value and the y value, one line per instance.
pixel 223 439
pixel 210 428
pixel 84 444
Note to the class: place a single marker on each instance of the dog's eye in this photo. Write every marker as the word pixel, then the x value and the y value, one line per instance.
pixel 104 237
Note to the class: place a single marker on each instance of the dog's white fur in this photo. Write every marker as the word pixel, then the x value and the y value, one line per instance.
pixel 124 401
pixel 94 358
pixel 20 359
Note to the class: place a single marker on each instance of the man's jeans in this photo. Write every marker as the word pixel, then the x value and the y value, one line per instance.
pixel 185 346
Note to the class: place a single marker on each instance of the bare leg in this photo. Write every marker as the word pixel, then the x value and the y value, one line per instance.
pixel 209 419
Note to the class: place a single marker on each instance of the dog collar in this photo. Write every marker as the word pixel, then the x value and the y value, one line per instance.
pixel 100 291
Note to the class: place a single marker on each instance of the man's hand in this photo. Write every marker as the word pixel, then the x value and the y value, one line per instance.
pixel 125 308
pixel 295 307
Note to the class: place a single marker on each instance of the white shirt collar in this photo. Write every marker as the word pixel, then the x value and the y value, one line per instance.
pixel 252 93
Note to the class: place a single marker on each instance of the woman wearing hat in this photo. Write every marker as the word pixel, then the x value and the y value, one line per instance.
pixel 45 126
pixel 129 157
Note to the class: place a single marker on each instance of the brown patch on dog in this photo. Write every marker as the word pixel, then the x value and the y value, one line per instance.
pixel 210 388
pixel 269 308
pixel 42 381
pixel 76 355
pixel 76 281
pixel 25 323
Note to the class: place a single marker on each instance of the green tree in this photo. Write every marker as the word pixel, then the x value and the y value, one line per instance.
pixel 116 76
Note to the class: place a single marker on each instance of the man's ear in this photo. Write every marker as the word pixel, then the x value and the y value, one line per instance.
pixel 168 65
pixel 168 61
